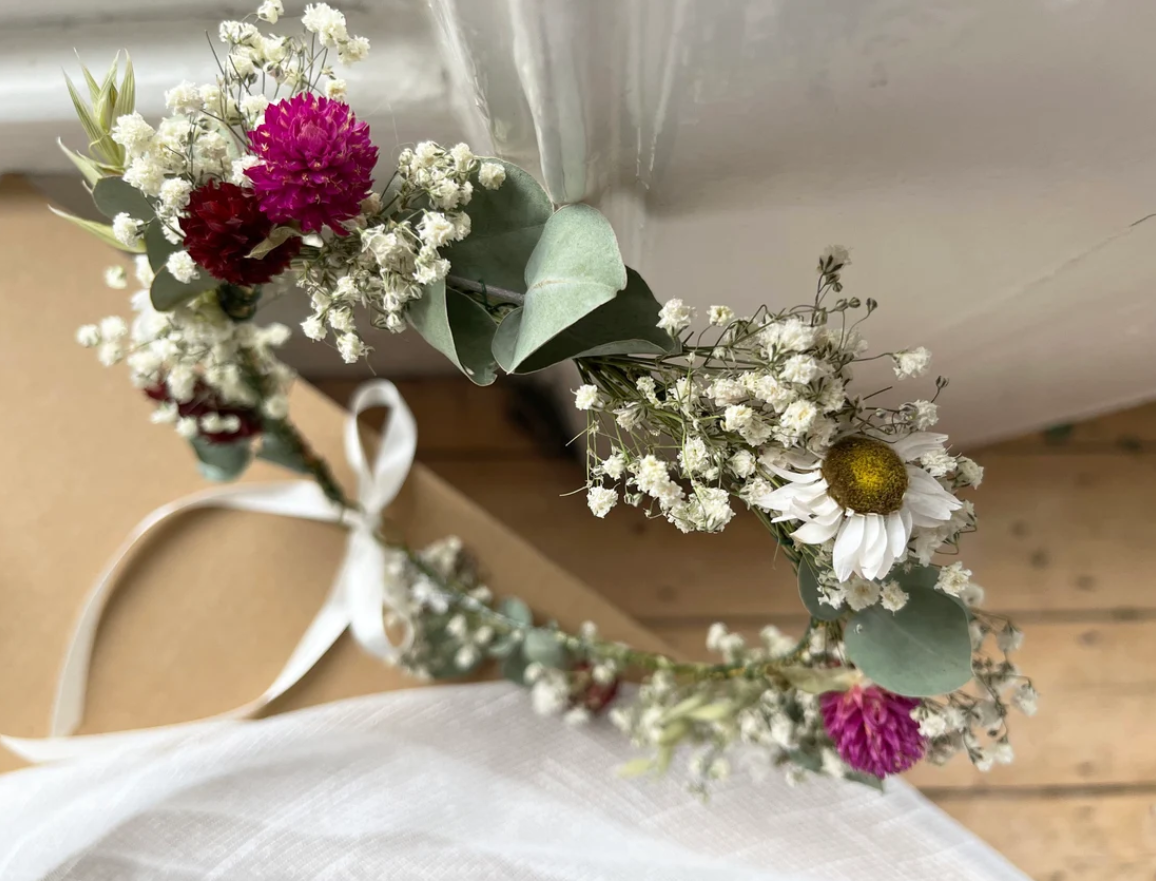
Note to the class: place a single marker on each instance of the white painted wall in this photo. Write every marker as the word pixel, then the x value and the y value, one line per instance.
pixel 985 161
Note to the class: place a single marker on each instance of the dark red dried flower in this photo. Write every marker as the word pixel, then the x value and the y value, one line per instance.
pixel 223 225
pixel 586 692
pixel 204 402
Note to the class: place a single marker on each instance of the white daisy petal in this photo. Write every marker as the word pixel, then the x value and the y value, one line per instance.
pixel 826 506
pixel 917 444
pixel 924 510
pixel 816 532
pixel 898 533
pixel 795 477
pixel 873 558
pixel 927 499
pixel 847 547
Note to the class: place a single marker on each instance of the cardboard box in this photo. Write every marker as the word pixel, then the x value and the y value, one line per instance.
pixel 209 610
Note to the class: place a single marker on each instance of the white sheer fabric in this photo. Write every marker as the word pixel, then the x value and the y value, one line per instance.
pixel 451 783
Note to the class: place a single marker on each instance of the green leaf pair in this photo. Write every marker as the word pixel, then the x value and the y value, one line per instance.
pixel 581 300
pixel 577 298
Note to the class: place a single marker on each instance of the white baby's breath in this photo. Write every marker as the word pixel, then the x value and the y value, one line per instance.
pixel 126 230
pixel 600 500
pixel 675 316
pixel 587 397
pixel 491 175
pixel 270 11
pixel 182 267
pixel 911 362
pixel 953 579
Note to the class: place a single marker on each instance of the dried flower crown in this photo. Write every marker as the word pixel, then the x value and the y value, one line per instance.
pixel 266 174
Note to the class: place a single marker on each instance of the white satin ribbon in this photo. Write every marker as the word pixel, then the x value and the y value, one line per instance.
pixel 359 598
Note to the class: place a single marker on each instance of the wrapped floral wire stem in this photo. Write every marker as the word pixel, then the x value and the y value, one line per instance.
pixel 265 183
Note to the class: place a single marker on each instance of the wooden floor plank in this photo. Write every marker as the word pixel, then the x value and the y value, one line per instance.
pixel 1133 429
pixel 1107 838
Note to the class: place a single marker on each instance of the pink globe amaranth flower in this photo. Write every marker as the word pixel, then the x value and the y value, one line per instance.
pixel 873 729
pixel 316 162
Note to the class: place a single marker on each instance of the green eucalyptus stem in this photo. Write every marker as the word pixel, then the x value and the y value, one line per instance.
pixel 597 649
pixel 476 287
pixel 315 466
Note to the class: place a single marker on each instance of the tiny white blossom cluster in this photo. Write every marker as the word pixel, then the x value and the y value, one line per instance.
pixel 771 392
pixel 397 250
pixel 974 720
pixel 196 362
pixel 740 721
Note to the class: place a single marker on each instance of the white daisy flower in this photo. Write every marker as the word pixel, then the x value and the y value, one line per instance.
pixel 865 494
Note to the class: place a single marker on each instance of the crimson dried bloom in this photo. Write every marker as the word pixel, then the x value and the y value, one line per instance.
pixel 224 223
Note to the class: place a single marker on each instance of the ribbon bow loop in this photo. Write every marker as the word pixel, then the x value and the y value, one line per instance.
pixel 361 594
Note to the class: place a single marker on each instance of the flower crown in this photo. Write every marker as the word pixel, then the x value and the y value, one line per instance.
pixel 266 176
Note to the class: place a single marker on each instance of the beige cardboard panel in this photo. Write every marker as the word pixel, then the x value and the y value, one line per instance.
pixel 209 610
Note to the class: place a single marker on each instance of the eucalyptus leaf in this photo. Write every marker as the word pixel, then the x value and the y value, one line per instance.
pixel 922 650
pixel 280 448
pixel 503 647
pixel 516 610
pixel 810 761
pixel 626 325
pixel 157 246
pixel 101 230
pixel 917 578
pixel 222 462
pixel 809 592
pixel 506 224
pixel 459 328
pixel 574 269
pixel 513 668
pixel 543 647
pixel 167 293
pixel 925 578
pixel 113 196
pixel 868 780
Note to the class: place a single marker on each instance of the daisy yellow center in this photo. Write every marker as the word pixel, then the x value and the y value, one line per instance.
pixel 865 475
